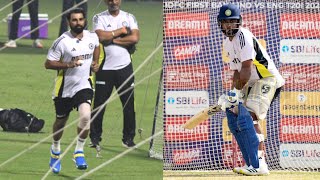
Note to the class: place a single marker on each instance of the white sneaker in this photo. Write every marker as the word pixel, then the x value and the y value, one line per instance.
pixel 263 165
pixel 37 44
pixel 238 169
pixel 251 171
pixel 11 44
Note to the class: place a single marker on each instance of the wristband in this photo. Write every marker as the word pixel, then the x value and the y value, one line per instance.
pixel 112 33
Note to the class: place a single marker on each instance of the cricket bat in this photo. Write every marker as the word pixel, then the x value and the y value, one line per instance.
pixel 201 116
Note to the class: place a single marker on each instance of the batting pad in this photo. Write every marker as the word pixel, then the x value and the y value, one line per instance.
pixel 248 136
pixel 233 126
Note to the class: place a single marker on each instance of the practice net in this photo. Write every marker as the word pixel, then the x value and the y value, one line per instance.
pixel 195 74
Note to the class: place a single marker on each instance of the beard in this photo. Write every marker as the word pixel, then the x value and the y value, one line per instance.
pixel 77 29
pixel 113 8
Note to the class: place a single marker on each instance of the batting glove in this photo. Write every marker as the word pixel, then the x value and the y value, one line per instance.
pixel 224 103
pixel 235 96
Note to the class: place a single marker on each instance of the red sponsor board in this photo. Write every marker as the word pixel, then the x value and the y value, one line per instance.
pixel 300 130
pixel 185 52
pixel 187 24
pixel 227 76
pixel 174 131
pixel 300 25
pixel 230 158
pixel 256 23
pixel 186 156
pixel 302 77
pixel 187 76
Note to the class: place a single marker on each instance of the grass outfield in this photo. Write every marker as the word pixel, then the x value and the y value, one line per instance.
pixel 26 84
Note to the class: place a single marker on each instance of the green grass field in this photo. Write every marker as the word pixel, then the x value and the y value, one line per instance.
pixel 26 84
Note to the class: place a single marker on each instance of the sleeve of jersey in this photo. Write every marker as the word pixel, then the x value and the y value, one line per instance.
pixel 133 22
pixel 246 48
pixel 55 52
pixel 96 40
pixel 97 23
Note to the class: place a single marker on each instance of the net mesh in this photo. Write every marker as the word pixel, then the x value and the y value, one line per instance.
pixel 195 74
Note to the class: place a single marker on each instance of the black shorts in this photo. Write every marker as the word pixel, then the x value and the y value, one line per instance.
pixel 64 106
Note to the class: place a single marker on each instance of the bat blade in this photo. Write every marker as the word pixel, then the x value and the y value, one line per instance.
pixel 201 116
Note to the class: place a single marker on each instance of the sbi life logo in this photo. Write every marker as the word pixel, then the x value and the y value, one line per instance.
pixel 294 49
pixel 187 100
pixel 285 153
pixel 285 48
pixel 303 49
pixel 171 100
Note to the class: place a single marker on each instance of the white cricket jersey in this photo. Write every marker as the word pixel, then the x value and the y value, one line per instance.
pixel 245 46
pixel 116 57
pixel 66 48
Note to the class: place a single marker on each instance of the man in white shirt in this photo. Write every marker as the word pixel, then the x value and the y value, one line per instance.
pixel 118 32
pixel 256 82
pixel 74 54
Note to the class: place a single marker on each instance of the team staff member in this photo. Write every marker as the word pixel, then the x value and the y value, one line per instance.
pixel 256 82
pixel 33 8
pixel 73 54
pixel 118 32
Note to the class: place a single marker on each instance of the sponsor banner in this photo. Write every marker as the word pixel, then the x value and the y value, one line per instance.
pixel 227 135
pixel 306 25
pixel 186 51
pixel 231 154
pixel 187 24
pixel 256 23
pixel 300 51
pixel 300 130
pixel 186 102
pixel 186 77
pixel 186 156
pixel 302 77
pixel 300 155
pixel 174 131
pixel 225 57
pixel 300 103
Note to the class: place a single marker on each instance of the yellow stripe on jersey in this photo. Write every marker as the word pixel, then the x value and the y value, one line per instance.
pixel 58 83
pixel 102 54
pixel 101 58
pixel 262 70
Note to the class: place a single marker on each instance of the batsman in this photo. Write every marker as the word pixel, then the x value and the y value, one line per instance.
pixel 256 83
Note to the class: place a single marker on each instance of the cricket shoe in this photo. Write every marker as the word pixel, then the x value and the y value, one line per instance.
pixel 37 44
pixel 78 158
pixel 251 171
pixel 238 169
pixel 55 163
pixel 263 165
pixel 93 145
pixel 94 142
pixel 128 143
pixel 11 44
